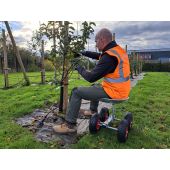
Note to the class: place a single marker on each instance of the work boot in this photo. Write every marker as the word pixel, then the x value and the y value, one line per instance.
pixel 65 128
pixel 87 113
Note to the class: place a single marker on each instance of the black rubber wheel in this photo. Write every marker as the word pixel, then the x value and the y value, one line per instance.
pixel 104 114
pixel 122 133
pixel 94 123
pixel 129 118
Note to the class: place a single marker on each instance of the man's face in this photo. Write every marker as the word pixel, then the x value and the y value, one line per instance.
pixel 99 43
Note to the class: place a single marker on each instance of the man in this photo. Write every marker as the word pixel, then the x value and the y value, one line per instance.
pixel 113 66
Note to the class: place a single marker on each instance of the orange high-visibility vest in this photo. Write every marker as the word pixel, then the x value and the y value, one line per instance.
pixel 117 84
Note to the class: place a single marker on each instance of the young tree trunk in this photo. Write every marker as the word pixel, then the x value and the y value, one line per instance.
pixel 1 64
pixel 5 60
pixel 54 45
pixel 62 86
pixel 55 71
pixel 61 97
pixel 65 90
pixel 17 53
pixel 64 82
pixel 42 64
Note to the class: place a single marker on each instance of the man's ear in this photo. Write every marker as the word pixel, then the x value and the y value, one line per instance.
pixel 102 41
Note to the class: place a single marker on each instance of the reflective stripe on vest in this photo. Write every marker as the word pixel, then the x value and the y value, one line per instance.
pixel 122 78
pixel 118 80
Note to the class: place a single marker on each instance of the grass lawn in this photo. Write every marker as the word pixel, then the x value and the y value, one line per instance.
pixel 19 101
pixel 149 103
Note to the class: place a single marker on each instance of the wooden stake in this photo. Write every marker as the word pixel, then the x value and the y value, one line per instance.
pixel 65 64
pixel 113 36
pixel 42 63
pixel 17 53
pixel 5 60
pixel 65 90
pixel 126 48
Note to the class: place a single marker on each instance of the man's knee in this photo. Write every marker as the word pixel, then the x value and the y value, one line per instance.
pixel 74 91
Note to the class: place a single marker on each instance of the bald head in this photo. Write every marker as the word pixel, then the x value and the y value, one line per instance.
pixel 103 37
pixel 105 34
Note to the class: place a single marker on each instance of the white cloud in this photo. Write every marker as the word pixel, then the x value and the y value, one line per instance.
pixel 137 35
pixel 25 33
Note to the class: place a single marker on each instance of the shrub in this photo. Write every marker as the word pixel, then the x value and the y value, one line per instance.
pixel 158 67
pixel 48 65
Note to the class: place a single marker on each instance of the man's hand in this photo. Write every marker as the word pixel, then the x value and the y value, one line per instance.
pixel 76 55
pixel 83 53
pixel 79 69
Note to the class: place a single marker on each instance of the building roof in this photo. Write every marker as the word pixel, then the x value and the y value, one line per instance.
pixel 149 50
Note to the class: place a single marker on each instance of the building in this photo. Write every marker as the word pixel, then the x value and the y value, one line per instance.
pixel 153 55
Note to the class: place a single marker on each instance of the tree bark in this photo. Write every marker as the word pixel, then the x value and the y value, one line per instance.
pixel 17 53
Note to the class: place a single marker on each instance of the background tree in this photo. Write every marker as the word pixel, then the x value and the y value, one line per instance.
pixel 37 45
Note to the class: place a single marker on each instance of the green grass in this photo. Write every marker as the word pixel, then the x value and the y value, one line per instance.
pixel 149 103
pixel 22 100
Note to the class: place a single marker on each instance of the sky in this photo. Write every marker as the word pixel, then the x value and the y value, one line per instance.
pixel 135 34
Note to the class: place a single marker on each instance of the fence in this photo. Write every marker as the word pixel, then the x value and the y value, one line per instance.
pixel 136 64
pixel 17 80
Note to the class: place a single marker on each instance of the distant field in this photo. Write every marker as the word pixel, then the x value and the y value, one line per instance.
pixel 149 103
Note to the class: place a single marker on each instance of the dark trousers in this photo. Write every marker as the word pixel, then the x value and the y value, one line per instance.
pixel 92 93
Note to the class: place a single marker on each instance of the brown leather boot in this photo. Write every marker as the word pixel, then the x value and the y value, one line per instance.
pixel 65 128
pixel 86 112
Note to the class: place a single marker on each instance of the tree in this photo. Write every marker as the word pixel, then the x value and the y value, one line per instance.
pixel 65 44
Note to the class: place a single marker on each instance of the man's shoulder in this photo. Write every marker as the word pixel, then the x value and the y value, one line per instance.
pixel 107 55
pixel 108 58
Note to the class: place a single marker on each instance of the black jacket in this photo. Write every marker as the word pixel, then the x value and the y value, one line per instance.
pixel 106 64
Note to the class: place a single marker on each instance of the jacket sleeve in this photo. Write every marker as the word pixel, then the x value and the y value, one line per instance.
pixel 106 64
pixel 90 54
